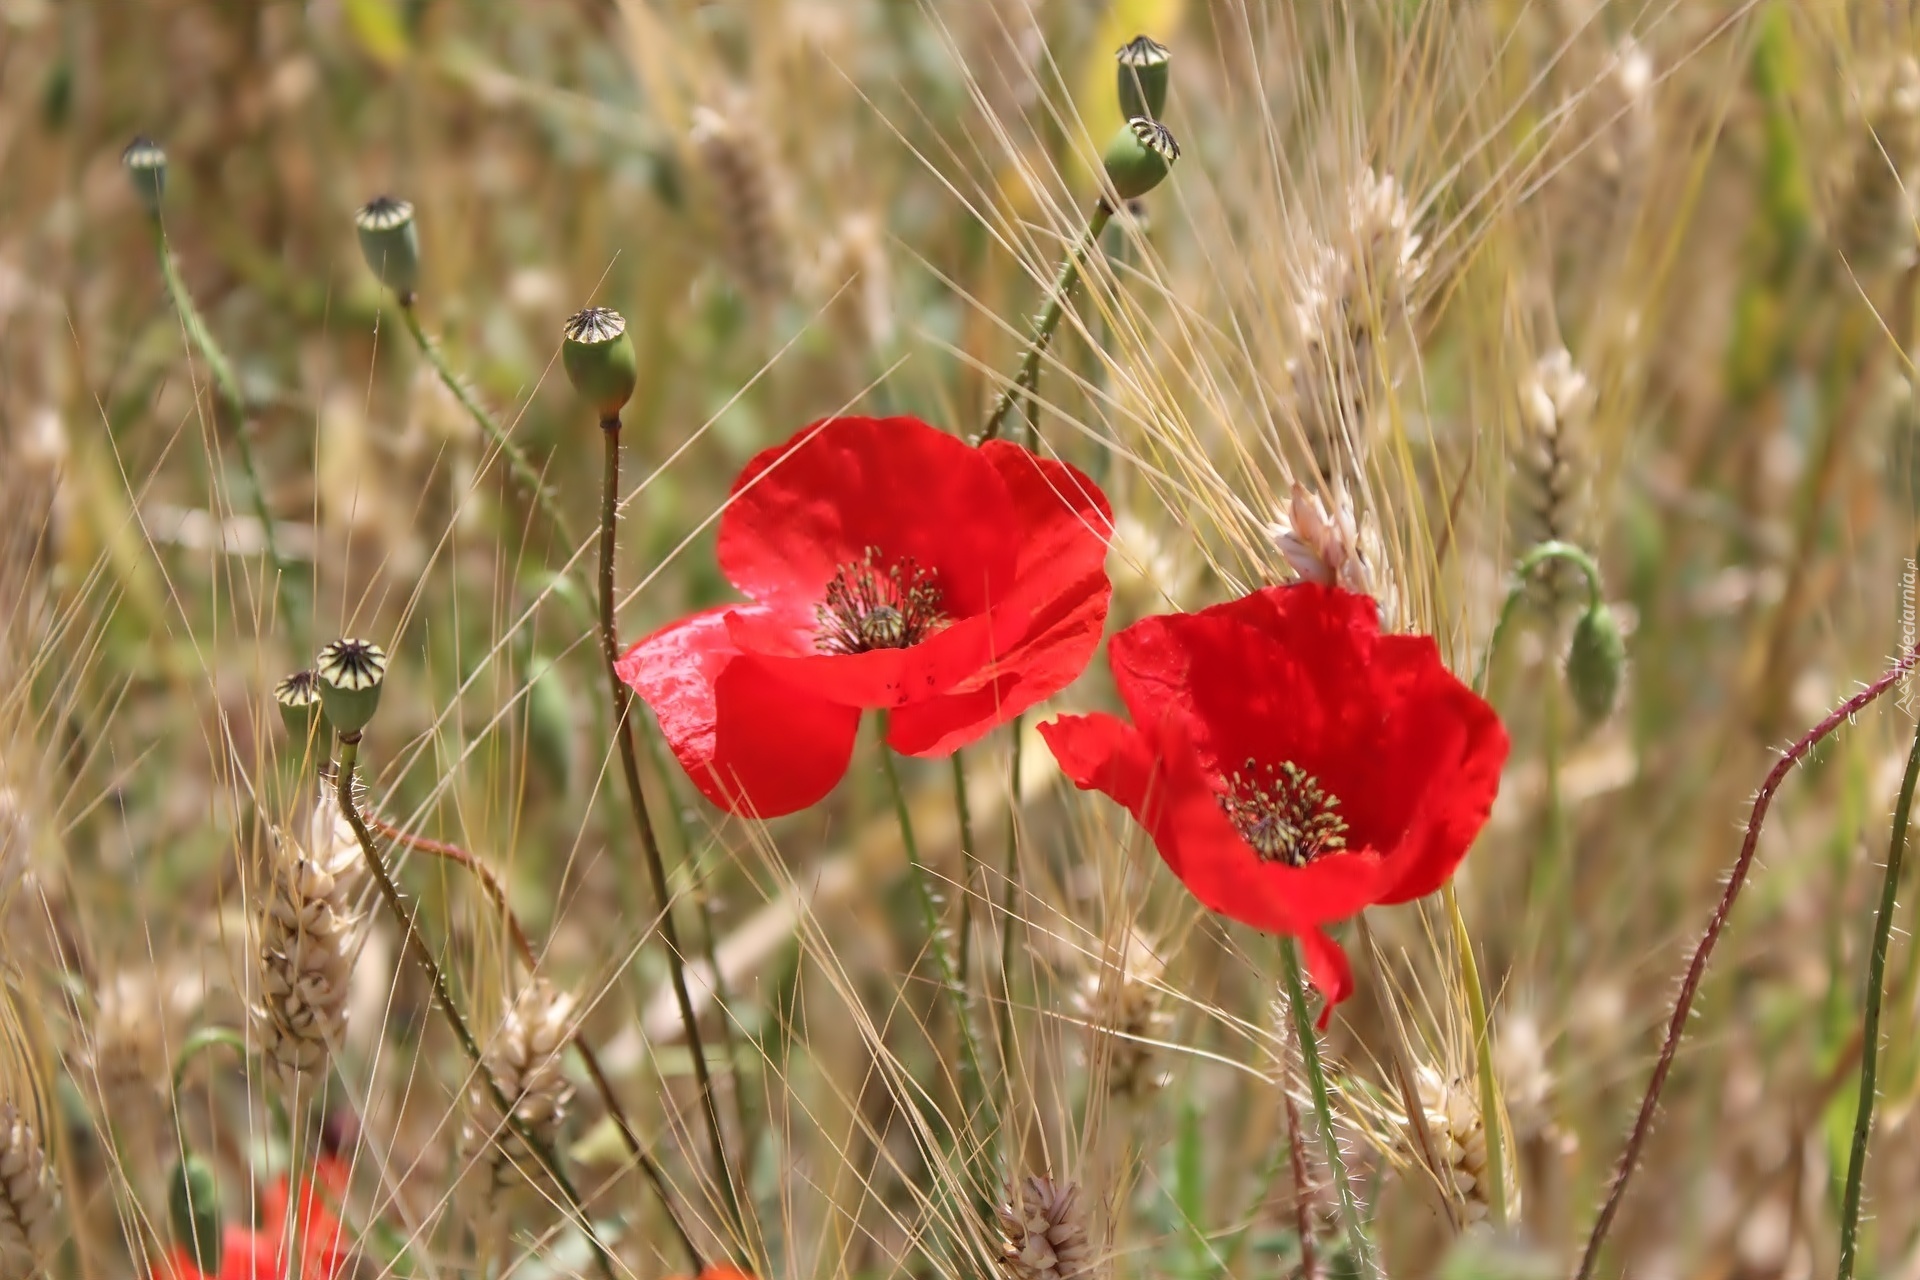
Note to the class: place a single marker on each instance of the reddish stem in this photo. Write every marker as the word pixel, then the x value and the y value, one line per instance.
pixel 1690 985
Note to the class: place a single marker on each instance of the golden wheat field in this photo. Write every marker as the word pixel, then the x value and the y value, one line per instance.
pixel 1037 639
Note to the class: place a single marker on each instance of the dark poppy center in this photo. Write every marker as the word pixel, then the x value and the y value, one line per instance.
pixel 871 604
pixel 1284 814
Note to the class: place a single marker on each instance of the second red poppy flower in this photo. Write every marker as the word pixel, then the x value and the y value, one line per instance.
pixel 888 566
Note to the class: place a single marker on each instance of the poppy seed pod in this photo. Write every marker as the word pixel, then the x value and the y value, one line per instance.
pixel 389 243
pixel 299 699
pixel 146 165
pixel 350 673
pixel 599 360
pixel 1138 158
pixel 193 1211
pixel 1143 64
pixel 1596 663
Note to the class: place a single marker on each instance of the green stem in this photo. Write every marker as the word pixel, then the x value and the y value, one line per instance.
pixel 1870 1026
pixel 1323 1109
pixel 1483 1060
pixel 1048 321
pixel 963 956
pixel 226 389
pixel 1009 880
pixel 518 464
pixel 649 839
pixel 201 1040
pixel 1516 590
pixel 443 997
pixel 971 1077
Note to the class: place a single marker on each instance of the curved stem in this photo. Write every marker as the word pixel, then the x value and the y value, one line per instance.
pixel 1323 1109
pixel 523 947
pixel 1048 321
pixel 1696 968
pixel 226 389
pixel 518 464
pixel 443 997
pixel 201 1040
pixel 1870 1023
pixel 1516 590
pixel 649 839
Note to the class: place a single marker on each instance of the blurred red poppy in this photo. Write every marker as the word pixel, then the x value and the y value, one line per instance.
pixel 1292 764
pixel 317 1235
pixel 889 566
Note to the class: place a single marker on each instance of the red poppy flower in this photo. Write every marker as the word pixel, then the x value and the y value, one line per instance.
pixel 1292 764
pixel 889 566
pixel 317 1235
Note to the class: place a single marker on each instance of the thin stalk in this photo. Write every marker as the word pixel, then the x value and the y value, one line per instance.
pixel 1870 1023
pixel 518 464
pixel 649 839
pixel 1323 1109
pixel 963 954
pixel 1010 881
pixel 937 940
pixel 1483 1059
pixel 443 997
pixel 523 947
pixel 1048 321
pixel 1696 968
pixel 226 389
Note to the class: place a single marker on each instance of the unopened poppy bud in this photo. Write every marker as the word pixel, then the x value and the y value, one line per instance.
pixel 193 1212
pixel 299 699
pixel 1143 64
pixel 146 165
pixel 350 673
pixel 599 359
pixel 389 243
pixel 1139 156
pixel 1596 663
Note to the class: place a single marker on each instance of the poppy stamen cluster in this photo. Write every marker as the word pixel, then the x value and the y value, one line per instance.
pixel 869 608
pixel 1284 814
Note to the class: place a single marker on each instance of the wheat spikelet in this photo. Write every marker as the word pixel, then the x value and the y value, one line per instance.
pixel 524 1059
pixel 1876 227
pixel 1148 575
pixel 28 1199
pixel 1459 1136
pixel 305 944
pixel 126 1057
pixel 742 184
pixel 1330 545
pixel 1556 410
pixel 1044 1236
pixel 1359 286
pixel 1122 1005
pixel 853 271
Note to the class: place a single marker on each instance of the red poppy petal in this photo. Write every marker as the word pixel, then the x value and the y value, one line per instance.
pixel 751 742
pixel 1104 753
pixel 783 643
pixel 803 510
pixel 1328 969
pixel 1064 519
pixel 1056 650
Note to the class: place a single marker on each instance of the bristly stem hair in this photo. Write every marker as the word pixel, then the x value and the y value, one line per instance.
pixel 649 838
pixel 226 388
pixel 1870 1020
pixel 523 947
pixel 1697 967
pixel 1323 1110
pixel 443 997
pixel 1048 321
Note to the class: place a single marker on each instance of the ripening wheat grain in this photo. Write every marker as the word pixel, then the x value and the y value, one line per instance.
pixel 305 942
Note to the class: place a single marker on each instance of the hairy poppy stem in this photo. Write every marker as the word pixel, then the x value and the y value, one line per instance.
pixel 523 947
pixel 522 469
pixel 226 389
pixel 649 839
pixel 1870 1022
pixel 443 996
pixel 971 1077
pixel 1696 968
pixel 1323 1109
pixel 1048 320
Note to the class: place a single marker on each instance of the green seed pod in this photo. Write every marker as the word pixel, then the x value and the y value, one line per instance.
pixel 1596 663
pixel 299 699
pixel 390 244
pixel 599 359
pixel 146 165
pixel 193 1211
pixel 350 673
pixel 1143 64
pixel 1138 158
